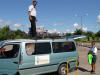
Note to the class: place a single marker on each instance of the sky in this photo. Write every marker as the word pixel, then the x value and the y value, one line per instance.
pixel 60 15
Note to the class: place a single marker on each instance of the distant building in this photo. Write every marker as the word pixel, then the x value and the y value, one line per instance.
pixel 41 31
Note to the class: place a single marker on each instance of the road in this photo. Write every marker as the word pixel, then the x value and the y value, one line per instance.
pixel 84 68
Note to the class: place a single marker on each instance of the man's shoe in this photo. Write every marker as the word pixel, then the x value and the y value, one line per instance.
pixel 91 71
pixel 94 72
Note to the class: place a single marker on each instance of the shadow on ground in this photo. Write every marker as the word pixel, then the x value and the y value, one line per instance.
pixel 78 68
pixel 82 69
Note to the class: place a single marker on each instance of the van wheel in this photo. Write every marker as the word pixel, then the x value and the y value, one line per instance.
pixel 17 73
pixel 62 70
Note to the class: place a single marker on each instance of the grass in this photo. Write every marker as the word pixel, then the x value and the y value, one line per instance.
pixel 96 39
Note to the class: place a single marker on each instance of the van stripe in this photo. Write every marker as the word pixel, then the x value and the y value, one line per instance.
pixel 38 66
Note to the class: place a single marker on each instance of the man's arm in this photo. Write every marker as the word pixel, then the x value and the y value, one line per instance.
pixel 30 18
pixel 29 13
pixel 95 50
pixel 30 7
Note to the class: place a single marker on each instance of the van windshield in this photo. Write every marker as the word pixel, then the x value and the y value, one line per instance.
pixel 1 43
pixel 9 51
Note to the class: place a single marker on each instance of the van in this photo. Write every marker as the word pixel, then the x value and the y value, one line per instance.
pixel 35 57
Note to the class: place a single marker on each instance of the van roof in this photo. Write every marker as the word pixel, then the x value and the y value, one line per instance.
pixel 41 40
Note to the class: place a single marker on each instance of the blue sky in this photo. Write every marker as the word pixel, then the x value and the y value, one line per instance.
pixel 62 15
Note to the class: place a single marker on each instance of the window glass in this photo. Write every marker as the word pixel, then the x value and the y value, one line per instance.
pixel 9 51
pixel 38 48
pixel 43 48
pixel 63 47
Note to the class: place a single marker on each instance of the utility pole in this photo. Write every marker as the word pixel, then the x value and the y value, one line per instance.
pixel 81 19
pixel 81 22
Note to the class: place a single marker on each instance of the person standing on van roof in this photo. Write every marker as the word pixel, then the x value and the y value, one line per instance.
pixel 32 18
pixel 94 53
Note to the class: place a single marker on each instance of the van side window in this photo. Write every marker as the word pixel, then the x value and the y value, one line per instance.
pixel 9 51
pixel 63 47
pixel 43 48
pixel 38 48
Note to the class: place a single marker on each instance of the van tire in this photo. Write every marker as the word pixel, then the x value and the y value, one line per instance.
pixel 17 73
pixel 62 70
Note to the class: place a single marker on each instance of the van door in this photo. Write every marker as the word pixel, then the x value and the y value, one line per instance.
pixel 37 58
pixel 9 59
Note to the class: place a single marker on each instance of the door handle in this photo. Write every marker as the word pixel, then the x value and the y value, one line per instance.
pixel 15 62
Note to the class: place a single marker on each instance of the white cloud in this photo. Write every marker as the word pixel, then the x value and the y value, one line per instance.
pixel 1 20
pixel 8 23
pixel 86 14
pixel 98 19
pixel 27 25
pixel 69 31
pixel 76 25
pixel 84 28
pixel 1 23
pixel 98 16
pixel 57 24
pixel 15 29
pixel 53 31
pixel 76 15
pixel 17 25
pixel 26 32
pixel 4 23
pixel 46 20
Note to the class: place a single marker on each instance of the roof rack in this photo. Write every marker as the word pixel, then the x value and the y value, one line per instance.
pixel 75 37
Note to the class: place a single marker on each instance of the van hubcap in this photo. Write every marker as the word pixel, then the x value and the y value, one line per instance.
pixel 64 70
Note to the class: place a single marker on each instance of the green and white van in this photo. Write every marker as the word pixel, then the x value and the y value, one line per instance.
pixel 35 57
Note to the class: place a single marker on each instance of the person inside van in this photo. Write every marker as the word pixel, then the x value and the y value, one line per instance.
pixel 30 48
pixel 9 51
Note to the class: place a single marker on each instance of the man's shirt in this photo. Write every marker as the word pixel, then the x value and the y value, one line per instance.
pixel 32 10
pixel 94 50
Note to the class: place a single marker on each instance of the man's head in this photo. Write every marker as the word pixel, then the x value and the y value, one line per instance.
pixel 34 3
pixel 93 44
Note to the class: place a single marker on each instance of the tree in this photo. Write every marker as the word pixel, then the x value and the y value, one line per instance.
pixel 20 34
pixel 98 34
pixel 90 34
pixel 79 32
pixel 5 33
pixel 68 34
